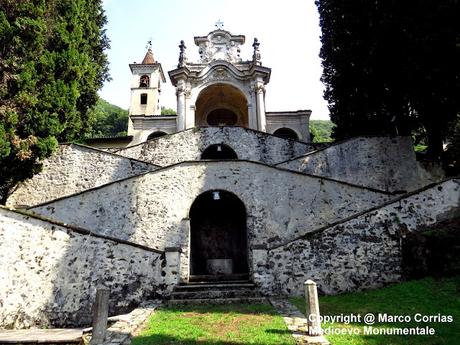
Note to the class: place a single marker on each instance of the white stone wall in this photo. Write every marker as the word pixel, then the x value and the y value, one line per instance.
pixel 72 169
pixel 361 253
pixel 380 162
pixel 154 208
pixel 49 273
pixel 189 145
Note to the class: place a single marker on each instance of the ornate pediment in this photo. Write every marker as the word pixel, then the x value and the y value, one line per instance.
pixel 219 45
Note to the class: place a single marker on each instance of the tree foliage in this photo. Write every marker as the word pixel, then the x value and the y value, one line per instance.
pixel 52 63
pixel 321 131
pixel 109 120
pixel 389 67
pixel 167 111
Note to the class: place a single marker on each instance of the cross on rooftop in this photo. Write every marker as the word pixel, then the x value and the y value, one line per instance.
pixel 149 44
pixel 219 24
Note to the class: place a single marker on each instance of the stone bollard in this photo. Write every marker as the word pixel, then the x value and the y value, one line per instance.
pixel 312 311
pixel 100 315
pixel 172 269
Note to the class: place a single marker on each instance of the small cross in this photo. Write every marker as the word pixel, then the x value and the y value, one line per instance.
pixel 219 24
pixel 149 44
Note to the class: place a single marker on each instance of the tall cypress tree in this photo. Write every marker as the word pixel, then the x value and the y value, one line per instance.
pixel 52 63
pixel 389 67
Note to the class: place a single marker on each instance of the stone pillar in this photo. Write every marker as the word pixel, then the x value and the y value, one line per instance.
pixel 312 311
pixel 260 99
pixel 260 267
pixel 180 93
pixel 172 268
pixel 100 315
pixel 252 115
pixel 190 116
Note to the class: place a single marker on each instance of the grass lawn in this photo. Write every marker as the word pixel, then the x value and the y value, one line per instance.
pixel 216 324
pixel 427 297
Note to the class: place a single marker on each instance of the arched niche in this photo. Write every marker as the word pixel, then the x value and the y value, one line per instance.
pixel 218 236
pixel 156 134
pixel 286 133
pixel 221 105
pixel 219 151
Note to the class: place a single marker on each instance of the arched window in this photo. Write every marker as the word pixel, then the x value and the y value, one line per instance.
pixel 219 151
pixel 143 98
pixel 286 133
pixel 144 81
pixel 156 134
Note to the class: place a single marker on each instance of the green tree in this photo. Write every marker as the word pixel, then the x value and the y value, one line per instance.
pixel 167 111
pixel 52 63
pixel 389 67
pixel 321 130
pixel 109 120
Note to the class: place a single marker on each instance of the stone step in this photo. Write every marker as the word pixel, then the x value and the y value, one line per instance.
pixel 247 300
pixel 214 286
pixel 222 293
pixel 218 277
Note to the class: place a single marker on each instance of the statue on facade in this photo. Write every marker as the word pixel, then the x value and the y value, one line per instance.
pixel 182 57
pixel 256 55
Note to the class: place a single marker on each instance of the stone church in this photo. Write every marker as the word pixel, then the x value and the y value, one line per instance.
pixel 223 195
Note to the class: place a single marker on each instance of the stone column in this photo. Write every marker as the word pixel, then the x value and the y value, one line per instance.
pixel 172 268
pixel 312 311
pixel 190 117
pixel 252 115
pixel 260 99
pixel 180 93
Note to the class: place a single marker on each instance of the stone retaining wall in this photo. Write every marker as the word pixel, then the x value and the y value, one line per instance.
pixel 153 209
pixel 360 253
pixel 72 169
pixel 49 273
pixel 188 145
pixel 386 163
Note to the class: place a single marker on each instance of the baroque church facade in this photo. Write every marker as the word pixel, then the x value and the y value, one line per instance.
pixel 232 194
pixel 218 90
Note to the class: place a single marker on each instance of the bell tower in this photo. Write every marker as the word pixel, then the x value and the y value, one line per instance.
pixel 146 81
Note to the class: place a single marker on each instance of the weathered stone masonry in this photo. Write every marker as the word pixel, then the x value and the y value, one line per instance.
pixel 386 163
pixel 359 253
pixel 50 272
pixel 72 169
pixel 155 207
pixel 188 145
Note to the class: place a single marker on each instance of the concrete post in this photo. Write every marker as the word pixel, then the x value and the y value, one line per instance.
pixel 100 315
pixel 312 311
pixel 172 269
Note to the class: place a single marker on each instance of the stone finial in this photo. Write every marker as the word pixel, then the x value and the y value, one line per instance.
pixel 256 55
pixel 312 311
pixel 182 56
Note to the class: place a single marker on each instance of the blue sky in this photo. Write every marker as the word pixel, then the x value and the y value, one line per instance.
pixel 288 33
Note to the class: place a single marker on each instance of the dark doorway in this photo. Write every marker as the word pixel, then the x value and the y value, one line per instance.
pixel 219 151
pixel 222 117
pixel 218 236
pixel 286 133
pixel 156 135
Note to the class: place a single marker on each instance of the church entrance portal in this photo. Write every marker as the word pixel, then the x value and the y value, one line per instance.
pixel 218 237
